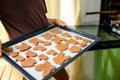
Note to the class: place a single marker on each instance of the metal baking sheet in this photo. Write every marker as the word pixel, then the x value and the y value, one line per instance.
pixel 30 73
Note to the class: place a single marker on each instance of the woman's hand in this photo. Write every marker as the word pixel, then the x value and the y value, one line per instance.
pixel 58 22
pixel 0 49
pixel 61 23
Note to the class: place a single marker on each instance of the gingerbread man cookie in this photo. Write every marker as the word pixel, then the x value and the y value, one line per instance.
pixel 46 68
pixel 61 58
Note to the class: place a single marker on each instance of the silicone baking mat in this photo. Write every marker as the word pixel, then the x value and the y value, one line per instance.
pixel 29 72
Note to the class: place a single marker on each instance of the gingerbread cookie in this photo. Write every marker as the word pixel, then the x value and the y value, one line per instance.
pixel 72 41
pixel 51 51
pixel 62 47
pixel 29 62
pixel 41 48
pixel 66 35
pixel 56 31
pixel 47 36
pixel 14 54
pixel 42 57
pixel 8 49
pixel 83 44
pixel 47 43
pixel 46 68
pixel 75 49
pixel 23 47
pixel 58 40
pixel 78 37
pixel 35 41
pixel 61 58
pixel 87 41
pixel 19 58
pixel 30 53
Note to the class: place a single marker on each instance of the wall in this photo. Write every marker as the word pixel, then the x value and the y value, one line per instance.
pixel 89 6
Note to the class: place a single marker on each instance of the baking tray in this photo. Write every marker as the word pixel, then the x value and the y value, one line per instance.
pixel 33 75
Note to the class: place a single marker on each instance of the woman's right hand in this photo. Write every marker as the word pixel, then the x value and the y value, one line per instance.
pixel 0 48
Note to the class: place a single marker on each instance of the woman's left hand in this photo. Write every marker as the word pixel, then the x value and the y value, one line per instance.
pixel 58 22
pixel 61 23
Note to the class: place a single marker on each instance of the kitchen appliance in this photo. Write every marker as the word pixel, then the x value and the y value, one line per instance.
pixel 109 16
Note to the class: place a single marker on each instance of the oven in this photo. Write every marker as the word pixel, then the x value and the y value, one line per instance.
pixel 109 16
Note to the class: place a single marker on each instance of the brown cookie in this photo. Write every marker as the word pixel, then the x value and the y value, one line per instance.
pixel 46 68
pixel 56 31
pixel 23 47
pixel 14 54
pixel 42 57
pixel 61 58
pixel 19 58
pixel 41 48
pixel 87 40
pixel 62 47
pixel 66 35
pixel 8 49
pixel 29 62
pixel 30 53
pixel 51 51
pixel 35 41
pixel 58 40
pixel 83 44
pixel 75 49
pixel 47 43
pixel 72 41
pixel 78 37
pixel 47 36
